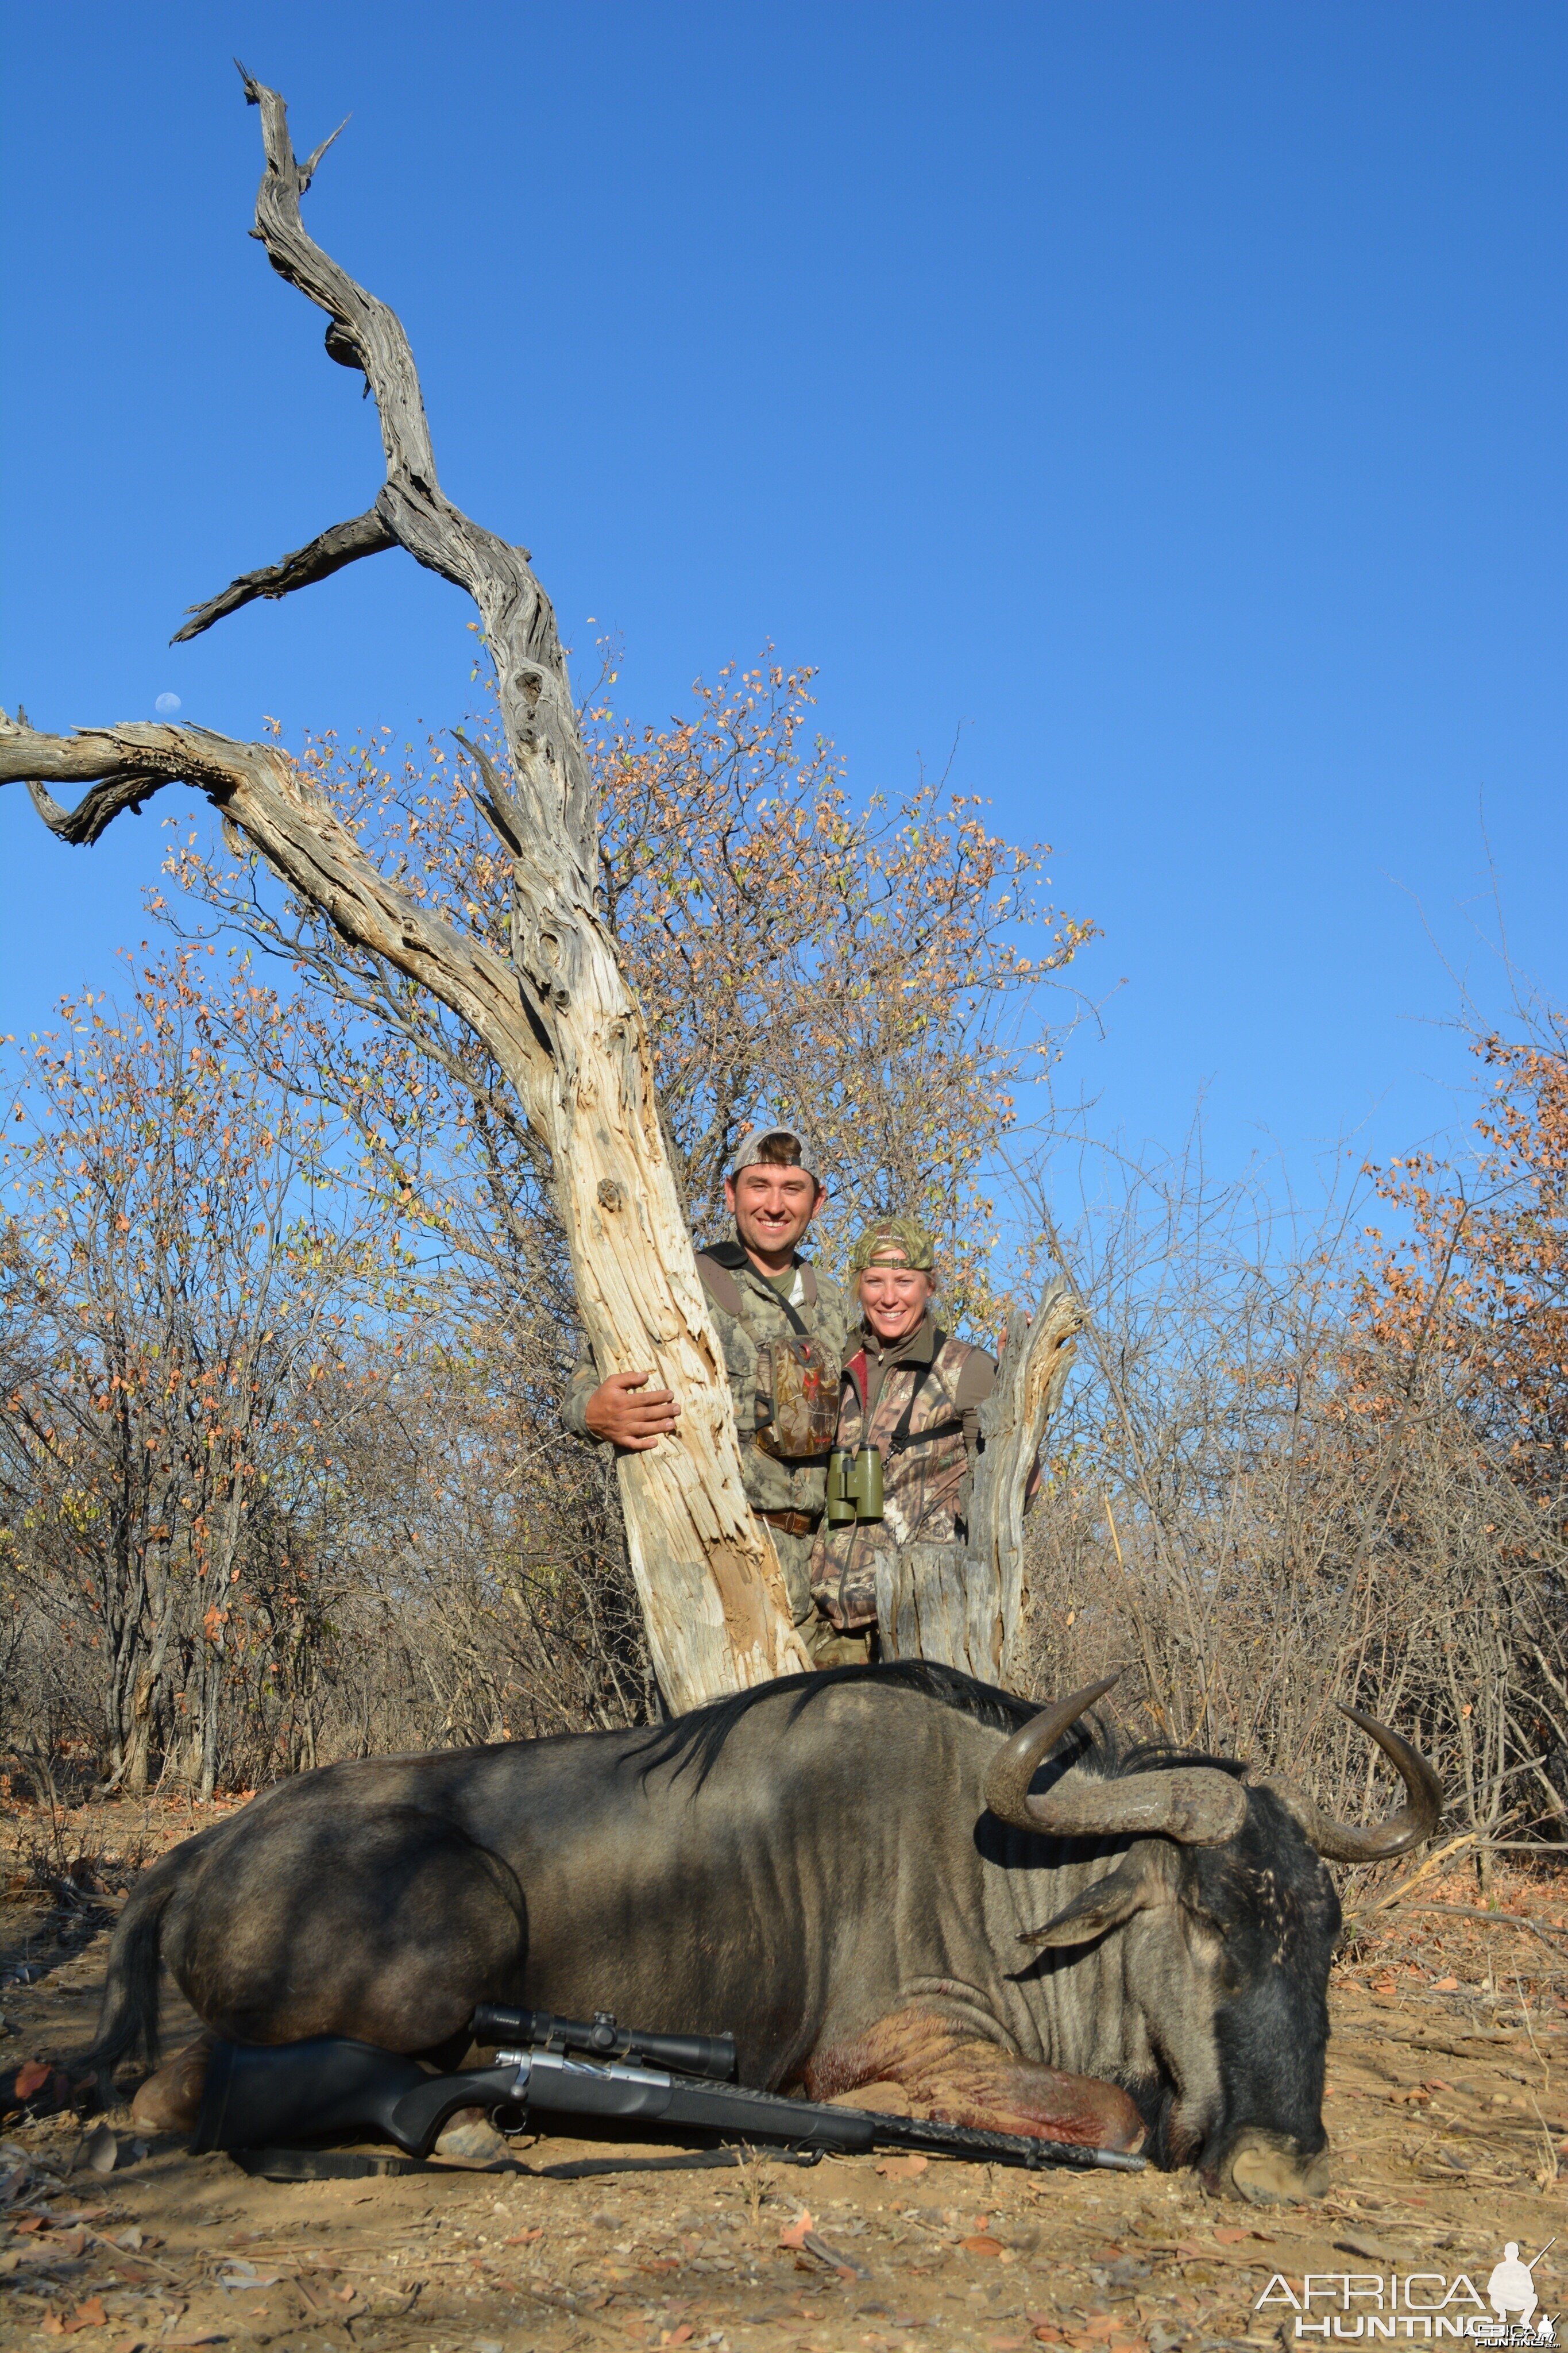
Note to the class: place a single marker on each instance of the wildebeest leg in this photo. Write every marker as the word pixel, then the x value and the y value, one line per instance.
pixel 169 2100
pixel 962 2080
pixel 388 1925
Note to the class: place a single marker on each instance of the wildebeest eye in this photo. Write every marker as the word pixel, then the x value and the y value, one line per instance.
pixel 1201 1917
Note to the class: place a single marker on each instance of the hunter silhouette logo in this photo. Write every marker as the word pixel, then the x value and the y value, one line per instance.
pixel 1511 2289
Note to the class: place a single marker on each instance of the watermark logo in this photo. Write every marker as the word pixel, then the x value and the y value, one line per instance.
pixel 1402 2305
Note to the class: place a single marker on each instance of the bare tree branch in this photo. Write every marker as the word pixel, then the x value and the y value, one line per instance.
pixel 549 774
pixel 344 544
pixel 560 1022
pixel 261 792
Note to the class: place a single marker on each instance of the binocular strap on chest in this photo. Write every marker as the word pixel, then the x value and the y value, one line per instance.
pixel 903 1437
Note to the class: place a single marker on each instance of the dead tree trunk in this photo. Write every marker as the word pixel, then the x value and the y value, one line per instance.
pixel 560 1021
pixel 967 1609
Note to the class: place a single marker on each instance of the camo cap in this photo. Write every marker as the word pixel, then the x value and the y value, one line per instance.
pixel 893 1242
pixel 749 1151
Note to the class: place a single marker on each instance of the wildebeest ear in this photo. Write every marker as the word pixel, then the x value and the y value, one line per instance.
pixel 1107 1905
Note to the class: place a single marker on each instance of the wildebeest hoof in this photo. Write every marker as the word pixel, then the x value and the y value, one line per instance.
pixel 1266 2170
pixel 170 2101
pixel 469 2139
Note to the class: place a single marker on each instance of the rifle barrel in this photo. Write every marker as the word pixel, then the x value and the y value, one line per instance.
pixel 563 2085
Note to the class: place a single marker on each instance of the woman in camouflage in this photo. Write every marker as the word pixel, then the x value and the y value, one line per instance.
pixel 913 1392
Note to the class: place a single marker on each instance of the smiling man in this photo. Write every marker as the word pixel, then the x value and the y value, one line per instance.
pixel 914 1393
pixel 783 1325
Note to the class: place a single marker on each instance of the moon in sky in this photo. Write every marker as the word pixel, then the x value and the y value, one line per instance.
pixel 167 702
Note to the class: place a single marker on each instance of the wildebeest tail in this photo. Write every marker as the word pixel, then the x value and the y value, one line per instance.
pixel 128 2014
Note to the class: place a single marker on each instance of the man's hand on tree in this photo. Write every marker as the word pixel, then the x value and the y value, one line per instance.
pixel 631 1421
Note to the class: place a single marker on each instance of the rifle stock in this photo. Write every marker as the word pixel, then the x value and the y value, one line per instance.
pixel 258 2097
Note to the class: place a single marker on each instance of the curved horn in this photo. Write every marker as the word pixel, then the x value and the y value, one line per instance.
pixel 1192 1804
pixel 1416 1820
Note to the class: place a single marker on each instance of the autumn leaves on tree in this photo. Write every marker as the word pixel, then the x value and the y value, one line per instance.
pixel 1477 1285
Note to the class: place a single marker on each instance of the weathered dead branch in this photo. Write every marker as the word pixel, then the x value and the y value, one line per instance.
pixel 560 1021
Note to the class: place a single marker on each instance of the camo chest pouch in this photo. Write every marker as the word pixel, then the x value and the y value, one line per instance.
pixel 797 1397
pixel 796 1413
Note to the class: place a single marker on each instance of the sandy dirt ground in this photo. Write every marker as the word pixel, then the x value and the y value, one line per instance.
pixel 1447 2108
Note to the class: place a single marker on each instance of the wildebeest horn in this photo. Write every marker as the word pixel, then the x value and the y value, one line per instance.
pixel 1342 1841
pixel 1191 1803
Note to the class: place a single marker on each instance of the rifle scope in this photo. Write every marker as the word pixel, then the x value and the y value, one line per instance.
pixel 713 2055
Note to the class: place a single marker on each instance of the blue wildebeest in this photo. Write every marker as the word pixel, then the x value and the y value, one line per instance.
pixel 879 1876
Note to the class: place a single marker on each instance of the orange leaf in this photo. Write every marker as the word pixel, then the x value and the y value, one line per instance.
pixel 1447 1985
pixel 903 2168
pixel 794 2233
pixel 31 2078
pixel 982 2243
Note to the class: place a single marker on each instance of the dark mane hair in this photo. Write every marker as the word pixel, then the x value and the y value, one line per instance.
pixel 1159 1756
pixel 697 1739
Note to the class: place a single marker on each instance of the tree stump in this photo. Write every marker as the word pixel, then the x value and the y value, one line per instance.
pixel 964 1607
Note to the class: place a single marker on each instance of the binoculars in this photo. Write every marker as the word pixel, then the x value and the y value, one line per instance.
pixel 854 1485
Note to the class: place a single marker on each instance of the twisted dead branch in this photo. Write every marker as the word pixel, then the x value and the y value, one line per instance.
pixel 559 1018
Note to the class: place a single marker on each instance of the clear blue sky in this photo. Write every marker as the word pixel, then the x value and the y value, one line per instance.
pixel 1169 396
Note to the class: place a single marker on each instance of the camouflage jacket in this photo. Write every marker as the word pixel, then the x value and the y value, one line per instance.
pixel 931 1386
pixel 771 1484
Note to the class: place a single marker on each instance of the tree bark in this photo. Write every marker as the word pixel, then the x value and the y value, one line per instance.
pixel 966 1608
pixel 561 1020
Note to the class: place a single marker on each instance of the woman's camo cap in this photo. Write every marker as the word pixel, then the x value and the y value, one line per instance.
pixel 895 1240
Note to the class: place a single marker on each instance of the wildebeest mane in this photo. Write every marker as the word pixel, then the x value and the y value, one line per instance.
pixel 698 1739
pixel 1160 1756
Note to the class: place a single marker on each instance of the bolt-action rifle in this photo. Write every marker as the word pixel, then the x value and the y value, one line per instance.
pixel 329 2088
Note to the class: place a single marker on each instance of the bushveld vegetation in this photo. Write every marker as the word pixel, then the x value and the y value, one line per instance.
pixel 288 1311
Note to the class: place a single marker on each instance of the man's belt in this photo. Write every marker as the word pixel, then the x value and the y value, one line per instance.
pixel 792 1523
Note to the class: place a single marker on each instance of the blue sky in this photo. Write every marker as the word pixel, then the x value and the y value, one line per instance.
pixel 1166 400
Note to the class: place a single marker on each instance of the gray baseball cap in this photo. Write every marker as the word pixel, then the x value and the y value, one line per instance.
pixel 748 1153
